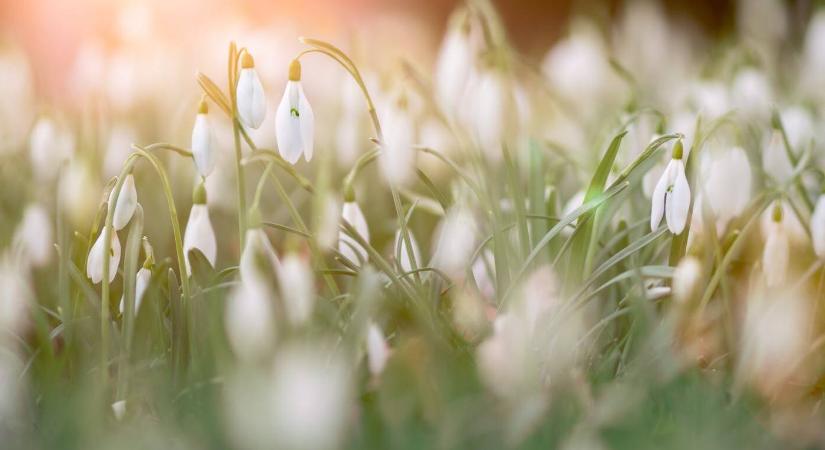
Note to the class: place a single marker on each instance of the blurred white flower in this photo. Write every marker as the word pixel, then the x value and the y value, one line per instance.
pixel 326 228
pixel 203 145
pixel 378 352
pixel 257 251
pixel 312 396
pixel 94 262
pixel 776 254
pixel 799 127
pixel 199 234
pixel 17 293
pixel 347 246
pixel 455 59
pixel 249 321
pixel 486 109
pixel 34 235
pixel 50 145
pixel 142 279
pixel 78 192
pixel 751 93
pixel 818 227
pixel 119 409
pixel 251 100
pixel 455 241
pixel 813 57
pixel 402 255
pixel 126 203
pixel 484 273
pixel 686 278
pixel 297 284
pixel 118 148
pixel 671 198
pixel 398 157
pixel 727 187
pixel 710 99
pixel 294 120
pixel 775 160
pixel 791 222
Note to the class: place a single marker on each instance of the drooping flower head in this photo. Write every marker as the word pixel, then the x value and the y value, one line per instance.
pixel 126 203
pixel 202 141
pixel 94 262
pixel 199 233
pixel 671 198
pixel 294 120
pixel 251 101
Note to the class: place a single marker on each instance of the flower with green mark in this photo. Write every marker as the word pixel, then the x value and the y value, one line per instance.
pixel 671 198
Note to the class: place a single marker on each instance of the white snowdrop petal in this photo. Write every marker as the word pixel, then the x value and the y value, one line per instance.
pixel 678 202
pixel 202 144
pixel 288 126
pixel 199 234
pixel 347 246
pixel 818 227
pixel 657 205
pixel 378 352
pixel 251 99
pixel 307 120
pixel 126 203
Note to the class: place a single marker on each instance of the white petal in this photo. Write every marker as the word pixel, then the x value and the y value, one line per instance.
pixel 94 262
pixel 287 126
pixel 378 352
pixel 657 205
pixel 251 98
pixel 818 227
pixel 126 203
pixel 397 158
pixel 297 288
pixel 142 279
pixel 678 201
pixel 347 246
pixel 775 256
pixel 307 120
pixel 199 234
pixel 202 149
pixel 34 235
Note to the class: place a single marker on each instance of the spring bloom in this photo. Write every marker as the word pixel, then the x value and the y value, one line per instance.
pixel 397 158
pixel 671 198
pixel 728 185
pixel 686 278
pixel 400 251
pixel 249 321
pixel 776 254
pixel 199 233
pixel 94 262
pixel 251 101
pixel 297 288
pixel 294 120
pixel 455 59
pixel 50 145
pixel 257 251
pixel 455 242
pixel 347 246
pixel 126 203
pixel 818 227
pixel 142 279
pixel 202 141
pixel 34 235
pixel 378 352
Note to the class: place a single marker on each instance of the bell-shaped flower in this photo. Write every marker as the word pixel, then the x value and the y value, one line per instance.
pixel 455 59
pixel 258 252
pixel 199 233
pixel 142 279
pixel 378 352
pixel 251 101
pixel 126 203
pixel 400 252
pixel 347 246
pixel 249 319
pixel 818 227
pixel 203 146
pixel 397 158
pixel 297 288
pixel 455 242
pixel 50 145
pixel 776 253
pixel 775 160
pixel 671 198
pixel 94 262
pixel 294 120
pixel 34 235
pixel 727 188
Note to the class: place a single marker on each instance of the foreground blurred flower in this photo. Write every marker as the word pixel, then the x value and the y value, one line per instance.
pixel 50 145
pixel 776 253
pixel 126 203
pixel 347 246
pixel 17 293
pixel 727 185
pixel 686 278
pixel 142 279
pixel 199 233
pixel 202 141
pixel 455 59
pixel 378 352
pixel 671 197
pixel 455 242
pixel 251 100
pixel 78 192
pixel 94 262
pixel 818 227
pixel 297 288
pixel 397 158
pixel 34 235
pixel 294 120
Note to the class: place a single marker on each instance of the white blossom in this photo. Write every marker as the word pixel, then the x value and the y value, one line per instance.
pixel 199 234
pixel 251 101
pixel 94 262
pixel 203 145
pixel 294 120
pixel 347 246
pixel 671 198
pixel 126 203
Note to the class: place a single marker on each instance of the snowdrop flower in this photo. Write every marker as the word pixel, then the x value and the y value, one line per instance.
pixel 799 126
pixel 671 198
pixel 199 233
pixel 297 288
pixel 686 278
pixel 776 254
pixel 378 352
pixel 126 203
pixel 203 144
pixel 397 158
pixel 818 227
pixel 78 192
pixel 249 321
pixel 751 93
pixel 142 279
pixel 257 250
pixel 455 242
pixel 484 273
pixel 119 409
pixel 94 262
pixel 50 145
pixel 251 101
pixel 728 185
pixel 400 251
pixel 775 160
pixel 487 110
pixel 34 235
pixel 118 148
pixel 347 246
pixel 17 293
pixel 294 120
pixel 455 59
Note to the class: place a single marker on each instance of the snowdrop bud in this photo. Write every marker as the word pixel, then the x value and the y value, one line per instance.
pixel 49 147
pixel 94 262
pixel 397 158
pixel 400 251
pixel 686 278
pixel 728 185
pixel 671 198
pixel 456 241
pixel 251 100
pixel 257 251
pixel 294 120
pixel 199 233
pixel 34 235
pixel 453 65
pixel 203 149
pixel 378 352
pixel 297 288
pixel 776 254
pixel 775 160
pixel 818 227
pixel 249 321
pixel 126 203
pixel 142 279
pixel 347 246
pixel 489 112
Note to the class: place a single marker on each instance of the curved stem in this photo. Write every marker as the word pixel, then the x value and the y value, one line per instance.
pixel 261 181
pixel 165 146
pixel 270 155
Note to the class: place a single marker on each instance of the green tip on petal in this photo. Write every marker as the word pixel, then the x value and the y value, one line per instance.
pixel 777 212
pixel 199 194
pixel 678 149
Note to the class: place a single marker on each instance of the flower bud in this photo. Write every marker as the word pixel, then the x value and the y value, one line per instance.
pixel 126 203
pixel 294 120
pixel 199 233
pixel 203 141
pixel 94 262
pixel 347 246
pixel 251 100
